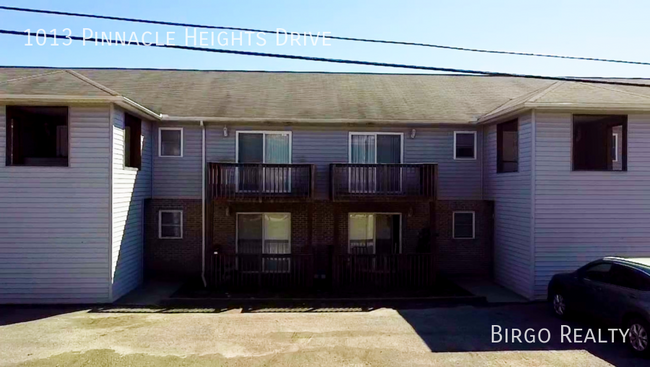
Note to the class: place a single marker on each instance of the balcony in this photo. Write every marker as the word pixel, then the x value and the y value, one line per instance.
pixel 383 182
pixel 261 182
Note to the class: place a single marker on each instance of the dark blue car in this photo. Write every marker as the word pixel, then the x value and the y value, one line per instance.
pixel 615 290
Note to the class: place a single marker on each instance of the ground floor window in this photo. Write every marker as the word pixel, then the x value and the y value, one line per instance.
pixel 464 225
pixel 170 224
pixel 374 233
pixel 264 234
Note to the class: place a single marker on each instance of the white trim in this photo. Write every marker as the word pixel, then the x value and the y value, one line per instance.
pixel 375 134
pixel 263 132
pixel 111 116
pixel 160 236
pixel 533 193
pixel 475 149
pixel 160 129
pixel 401 227
pixel 615 135
pixel 453 225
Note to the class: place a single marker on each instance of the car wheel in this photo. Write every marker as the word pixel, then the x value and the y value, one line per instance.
pixel 558 304
pixel 637 337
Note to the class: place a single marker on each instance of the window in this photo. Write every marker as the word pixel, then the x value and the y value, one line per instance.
pixel 170 142
pixel 508 147
pixel 268 147
pixel 598 272
pixel 170 224
pixel 629 278
pixel 37 136
pixel 265 234
pixel 596 141
pixel 373 149
pixel 374 233
pixel 132 141
pixel 465 145
pixel 464 223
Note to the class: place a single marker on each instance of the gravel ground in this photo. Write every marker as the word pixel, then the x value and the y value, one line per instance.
pixel 458 336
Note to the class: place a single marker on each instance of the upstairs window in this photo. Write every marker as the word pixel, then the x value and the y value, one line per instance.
pixel 37 136
pixel 599 143
pixel 170 142
pixel 508 147
pixel 465 145
pixel 132 142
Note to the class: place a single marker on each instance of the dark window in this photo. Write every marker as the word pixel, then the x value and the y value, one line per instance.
pixel 593 143
pixel 37 136
pixel 508 147
pixel 599 272
pixel 132 142
pixel 171 224
pixel 171 142
pixel 630 278
pixel 465 144
pixel 463 225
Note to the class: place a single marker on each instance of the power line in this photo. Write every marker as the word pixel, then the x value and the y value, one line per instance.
pixel 354 39
pixel 338 61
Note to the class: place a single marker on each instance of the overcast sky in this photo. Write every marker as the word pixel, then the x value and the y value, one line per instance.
pixel 604 29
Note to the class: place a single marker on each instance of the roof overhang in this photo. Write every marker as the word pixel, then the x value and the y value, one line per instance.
pixel 41 99
pixel 563 107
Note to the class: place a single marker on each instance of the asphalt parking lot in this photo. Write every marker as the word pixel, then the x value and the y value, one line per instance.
pixel 307 336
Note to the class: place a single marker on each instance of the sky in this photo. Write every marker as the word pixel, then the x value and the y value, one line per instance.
pixel 603 29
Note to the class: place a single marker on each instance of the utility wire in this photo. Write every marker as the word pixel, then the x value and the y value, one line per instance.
pixel 354 39
pixel 339 61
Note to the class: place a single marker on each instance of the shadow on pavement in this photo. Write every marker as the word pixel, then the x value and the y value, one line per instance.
pixel 18 314
pixel 469 329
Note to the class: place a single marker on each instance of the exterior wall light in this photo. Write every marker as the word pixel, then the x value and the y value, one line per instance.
pixel 412 133
pixel 225 131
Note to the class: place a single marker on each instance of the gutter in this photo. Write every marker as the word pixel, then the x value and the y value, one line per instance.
pixel 203 231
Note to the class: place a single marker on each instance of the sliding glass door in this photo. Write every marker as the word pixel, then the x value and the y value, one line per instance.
pixel 374 233
pixel 375 149
pixel 264 234
pixel 264 148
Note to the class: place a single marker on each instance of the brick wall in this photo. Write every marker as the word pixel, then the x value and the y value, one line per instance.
pixel 173 259
pixel 464 256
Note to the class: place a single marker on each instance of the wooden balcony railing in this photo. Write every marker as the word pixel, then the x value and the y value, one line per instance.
pixel 383 182
pixel 261 182
pixel 400 271
pixel 263 271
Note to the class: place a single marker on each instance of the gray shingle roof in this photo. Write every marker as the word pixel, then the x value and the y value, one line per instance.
pixel 244 94
pixel 293 95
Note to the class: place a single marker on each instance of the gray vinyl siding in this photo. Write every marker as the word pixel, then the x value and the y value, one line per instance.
pixel 130 188
pixel 324 145
pixel 511 193
pixel 581 216
pixel 178 177
pixel 54 231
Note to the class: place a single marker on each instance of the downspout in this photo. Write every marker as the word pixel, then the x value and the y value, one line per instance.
pixel 205 283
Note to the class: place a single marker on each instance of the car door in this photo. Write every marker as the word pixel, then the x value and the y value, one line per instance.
pixel 623 293
pixel 588 287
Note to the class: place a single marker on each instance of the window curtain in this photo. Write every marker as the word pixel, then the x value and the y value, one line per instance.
pixel 277 234
pixel 363 149
pixel 362 233
pixel 277 179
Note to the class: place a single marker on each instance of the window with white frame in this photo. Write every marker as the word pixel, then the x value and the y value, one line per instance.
pixel 374 149
pixel 374 233
pixel 264 234
pixel 465 145
pixel 170 142
pixel 464 225
pixel 170 224
pixel 267 147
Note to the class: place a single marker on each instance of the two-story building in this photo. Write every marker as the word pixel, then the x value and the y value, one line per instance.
pixel 271 179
